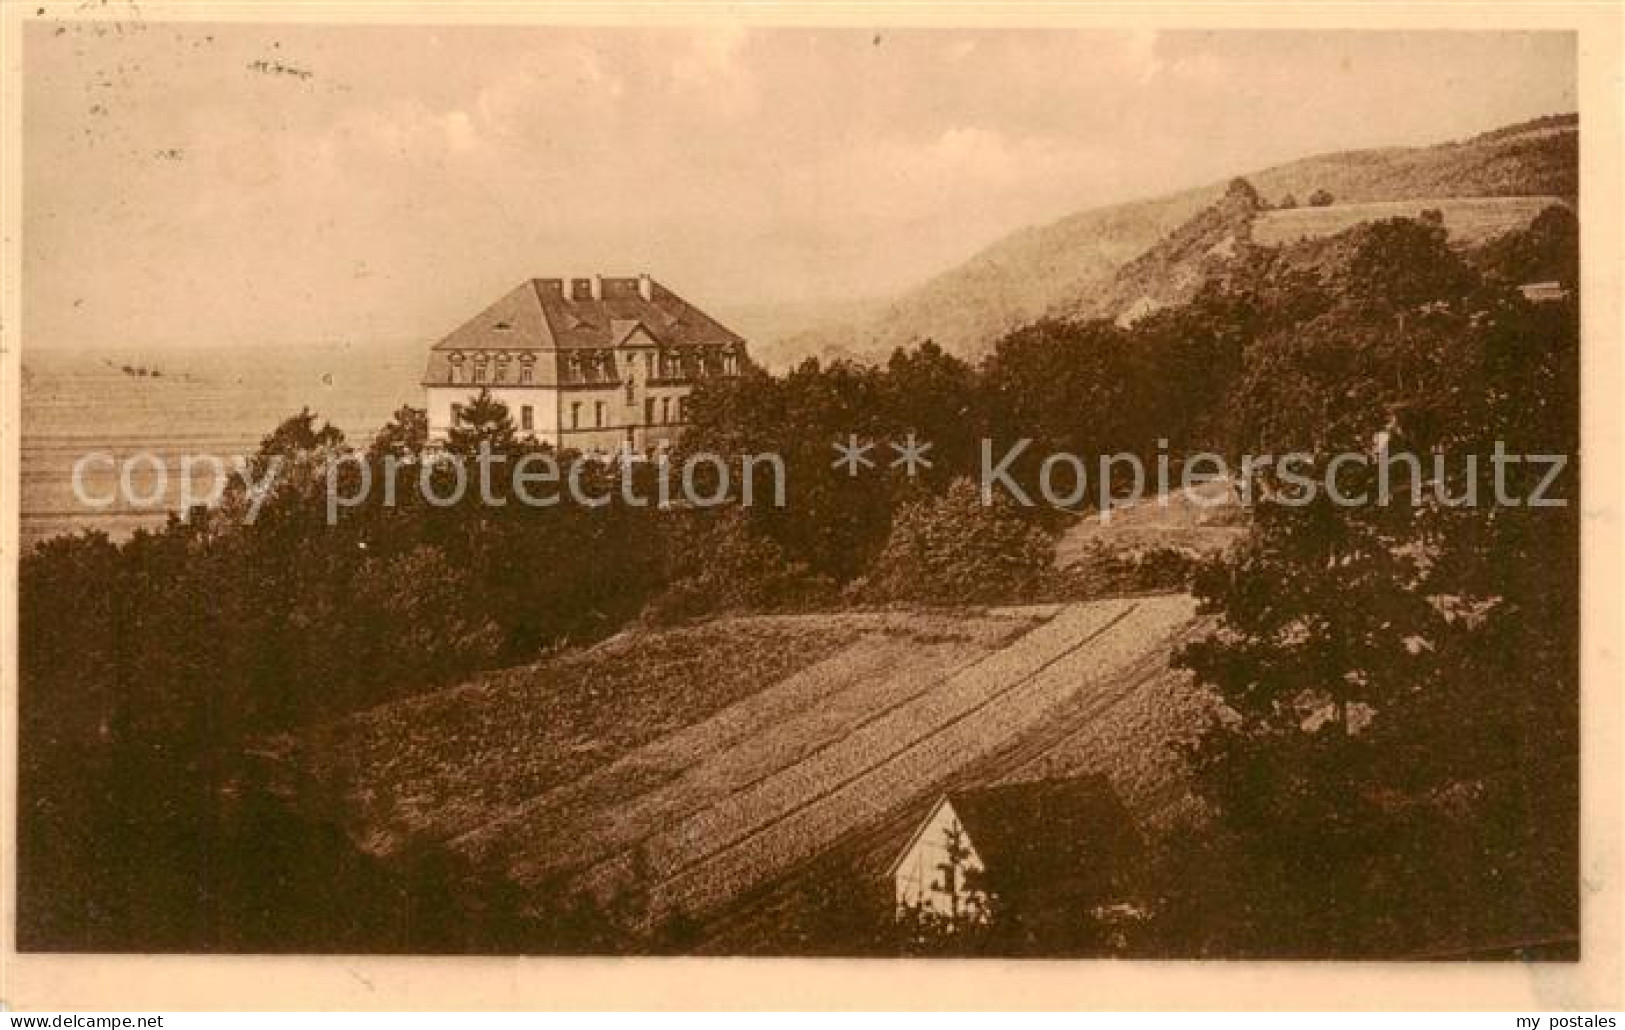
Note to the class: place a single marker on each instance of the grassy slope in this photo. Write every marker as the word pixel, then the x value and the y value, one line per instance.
pixel 1063 265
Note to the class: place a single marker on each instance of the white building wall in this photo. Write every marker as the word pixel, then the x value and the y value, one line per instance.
pixel 918 879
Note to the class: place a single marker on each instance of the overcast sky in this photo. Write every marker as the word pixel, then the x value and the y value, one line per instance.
pixel 274 184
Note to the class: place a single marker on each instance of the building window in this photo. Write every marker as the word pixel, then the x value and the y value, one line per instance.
pixel 648 411
pixel 526 417
pixel 677 408
pixel 575 414
pixel 479 373
pixel 524 374
pixel 630 397
pixel 665 409
pixel 598 414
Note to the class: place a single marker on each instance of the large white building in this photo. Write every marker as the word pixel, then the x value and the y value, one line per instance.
pixel 593 364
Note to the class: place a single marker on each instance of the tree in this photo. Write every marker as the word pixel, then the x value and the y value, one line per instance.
pixel 484 420
pixel 1066 387
pixel 971 924
pixel 933 394
pixel 832 522
pixel 1404 262
pixel 1320 198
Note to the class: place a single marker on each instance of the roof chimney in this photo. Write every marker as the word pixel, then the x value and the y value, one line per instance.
pixel 597 287
pixel 646 287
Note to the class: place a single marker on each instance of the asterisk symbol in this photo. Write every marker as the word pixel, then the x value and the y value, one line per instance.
pixel 853 455
pixel 911 455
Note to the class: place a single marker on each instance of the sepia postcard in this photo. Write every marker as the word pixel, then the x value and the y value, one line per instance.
pixel 745 506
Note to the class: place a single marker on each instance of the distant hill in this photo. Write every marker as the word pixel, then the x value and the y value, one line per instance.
pixel 1071 266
